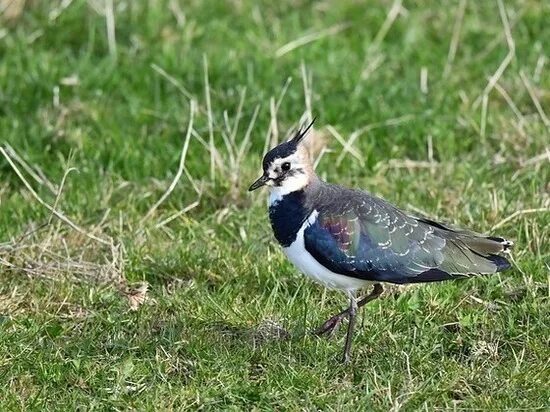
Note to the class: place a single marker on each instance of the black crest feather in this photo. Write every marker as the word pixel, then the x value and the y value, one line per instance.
pixel 286 148
pixel 302 132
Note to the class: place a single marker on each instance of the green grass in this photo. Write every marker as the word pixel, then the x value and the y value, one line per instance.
pixel 226 320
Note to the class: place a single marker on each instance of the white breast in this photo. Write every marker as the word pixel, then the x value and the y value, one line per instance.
pixel 303 260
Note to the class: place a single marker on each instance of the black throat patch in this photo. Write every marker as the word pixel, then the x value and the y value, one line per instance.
pixel 287 216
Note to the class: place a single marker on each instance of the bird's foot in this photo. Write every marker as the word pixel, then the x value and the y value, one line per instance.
pixel 331 326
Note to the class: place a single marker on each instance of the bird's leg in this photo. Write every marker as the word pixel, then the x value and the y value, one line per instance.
pixel 331 325
pixel 352 311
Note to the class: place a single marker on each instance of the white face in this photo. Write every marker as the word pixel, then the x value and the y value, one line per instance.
pixel 287 168
pixel 287 175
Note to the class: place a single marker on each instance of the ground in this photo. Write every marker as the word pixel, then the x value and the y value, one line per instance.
pixel 157 284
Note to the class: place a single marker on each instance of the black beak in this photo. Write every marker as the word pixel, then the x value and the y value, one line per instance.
pixel 258 183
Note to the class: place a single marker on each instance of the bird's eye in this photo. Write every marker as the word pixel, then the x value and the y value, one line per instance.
pixel 285 166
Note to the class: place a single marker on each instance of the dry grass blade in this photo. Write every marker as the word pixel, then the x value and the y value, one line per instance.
pixel 411 164
pixel 36 175
pixel 57 214
pixel 510 102
pixel 319 157
pixel 111 30
pixel 390 122
pixel 455 38
pixel 228 147
pixel 406 164
pixel 55 267
pixel 424 80
pixel 518 213
pixel 535 99
pixel 371 67
pixel 311 37
pixel 178 214
pixel 246 140
pixel 392 15
pixel 347 147
pixel 238 116
pixel 181 164
pixel 507 59
pixel 492 45
pixel 484 108
pixel 178 13
pixel 373 51
pixel 58 196
pixel 306 81
pixel 283 92
pixel 272 134
pixel 210 121
pixel 196 188
pixel 538 158
pixel 57 11
pixel 217 157
pixel 538 68
pixel 173 81
pixel 237 152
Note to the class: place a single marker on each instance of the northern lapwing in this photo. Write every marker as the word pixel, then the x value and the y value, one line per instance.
pixel 348 239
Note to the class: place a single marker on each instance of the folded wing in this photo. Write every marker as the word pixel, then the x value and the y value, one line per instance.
pixel 370 239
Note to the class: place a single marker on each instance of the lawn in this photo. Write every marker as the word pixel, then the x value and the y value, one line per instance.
pixel 137 272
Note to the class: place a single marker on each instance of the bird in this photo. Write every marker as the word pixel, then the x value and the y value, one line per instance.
pixel 350 239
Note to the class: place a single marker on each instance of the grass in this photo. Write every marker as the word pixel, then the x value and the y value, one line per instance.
pixel 224 322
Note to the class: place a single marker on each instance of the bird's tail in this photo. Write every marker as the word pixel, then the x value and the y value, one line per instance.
pixel 470 250
pixel 489 248
pixel 468 257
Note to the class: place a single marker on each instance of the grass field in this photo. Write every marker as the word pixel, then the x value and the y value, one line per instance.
pixel 156 284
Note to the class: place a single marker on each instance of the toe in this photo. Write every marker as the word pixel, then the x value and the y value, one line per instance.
pixel 330 326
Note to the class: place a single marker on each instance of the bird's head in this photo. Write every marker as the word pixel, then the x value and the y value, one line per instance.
pixel 287 167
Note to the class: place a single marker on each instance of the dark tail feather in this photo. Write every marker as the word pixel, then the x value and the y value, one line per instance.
pixel 500 261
